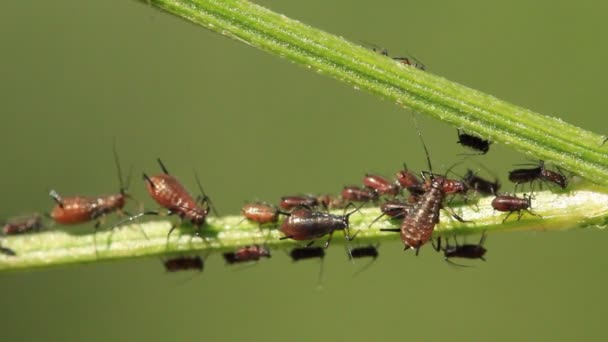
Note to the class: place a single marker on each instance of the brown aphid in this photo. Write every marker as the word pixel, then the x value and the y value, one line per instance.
pixel 330 201
pixel 22 224
pixel 169 193
pixel 409 181
pixel 449 186
pixel 512 204
pixel 381 185
pixel 261 213
pixel 246 254
pixel 356 194
pixel 291 202
pixel 184 263
pixel 306 224
pixel 554 177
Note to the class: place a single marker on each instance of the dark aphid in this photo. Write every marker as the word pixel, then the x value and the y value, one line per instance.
pixel 394 210
pixel 466 251
pixel 554 177
pixel 22 224
pixel 261 213
pixel 357 194
pixel 418 226
pixel 246 254
pixel 381 185
pixel 7 251
pixel 291 202
pixel 480 185
pixel 298 254
pixel 473 142
pixel 512 204
pixel 306 224
pixel 169 193
pixel 520 176
pixel 409 181
pixel 77 209
pixel 363 252
pixel 184 263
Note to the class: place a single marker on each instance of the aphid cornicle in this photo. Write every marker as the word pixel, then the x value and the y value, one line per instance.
pixel 184 263
pixel 512 204
pixel 169 193
pixel 77 209
pixel 480 185
pixel 246 254
pixel 473 142
pixel 466 251
pixel 306 224
pixel 356 194
pixel 22 224
pixel 381 185
pixel 298 254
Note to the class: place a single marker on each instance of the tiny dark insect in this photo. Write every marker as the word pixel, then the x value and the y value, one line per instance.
pixel 557 178
pixel 357 194
pixel 409 181
pixel 363 252
pixel 480 185
pixel 246 254
pixel 306 224
pixel 291 202
pixel 393 209
pixel 262 213
pixel 512 204
pixel 7 251
pixel 411 61
pixel 381 185
pixel 170 194
pixel 184 263
pixel 520 176
pixel 466 251
pixel 473 142
pixel 298 254
pixel 22 224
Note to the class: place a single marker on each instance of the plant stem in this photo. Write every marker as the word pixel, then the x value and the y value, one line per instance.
pixel 579 208
pixel 540 136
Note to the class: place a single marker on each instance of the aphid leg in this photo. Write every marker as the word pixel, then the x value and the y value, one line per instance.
pixel 348 236
pixel 286 237
pixel 506 217
pixel 310 244
pixel 376 220
pixel 205 199
pixel 394 230
pixel 147 179
pixel 455 264
pixel 57 198
pixel 454 215
pixel 438 246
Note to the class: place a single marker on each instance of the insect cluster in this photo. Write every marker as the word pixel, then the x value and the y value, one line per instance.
pixel 413 201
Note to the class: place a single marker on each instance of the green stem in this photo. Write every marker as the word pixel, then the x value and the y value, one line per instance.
pixel 540 136
pixel 579 208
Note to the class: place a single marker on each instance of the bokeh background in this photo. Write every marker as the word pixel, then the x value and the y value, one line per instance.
pixel 74 75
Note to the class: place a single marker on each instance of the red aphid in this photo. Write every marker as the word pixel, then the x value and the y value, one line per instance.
pixel 261 213
pixel 306 224
pixel 381 185
pixel 357 194
pixel 22 224
pixel 409 181
pixel 247 253
pixel 512 204
pixel 291 202
pixel 450 186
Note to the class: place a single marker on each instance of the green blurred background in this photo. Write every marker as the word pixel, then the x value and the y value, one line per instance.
pixel 77 74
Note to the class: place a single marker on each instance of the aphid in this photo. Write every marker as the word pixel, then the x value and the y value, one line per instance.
pixel 466 251
pixel 363 252
pixel 403 60
pixel 418 226
pixel 480 185
pixel 247 253
pixel 291 202
pixel 77 209
pixel 394 210
pixel 330 202
pixel 473 142
pixel 381 185
pixel 409 181
pixel 512 204
pixel 554 177
pixel 357 194
pixel 261 213
pixel 519 176
pixel 184 263
pixel 306 224
pixel 449 186
pixel 298 254
pixel 22 224
pixel 169 193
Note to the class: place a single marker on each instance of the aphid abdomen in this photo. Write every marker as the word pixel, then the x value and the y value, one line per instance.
pixel 417 227
pixel 74 210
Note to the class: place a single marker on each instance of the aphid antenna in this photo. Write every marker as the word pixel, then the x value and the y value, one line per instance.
pixel 162 166
pixel 123 185
pixel 205 198
pixel 56 197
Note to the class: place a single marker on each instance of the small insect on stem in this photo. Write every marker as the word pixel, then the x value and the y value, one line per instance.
pixel 466 251
pixel 184 263
pixel 480 185
pixel 394 210
pixel 381 185
pixel 306 224
pixel 169 193
pixel 22 224
pixel 291 202
pixel 512 204
pixel 247 254
pixel 356 194
pixel 541 173
pixel 78 209
pixel 410 61
pixel 261 213
pixel 473 142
